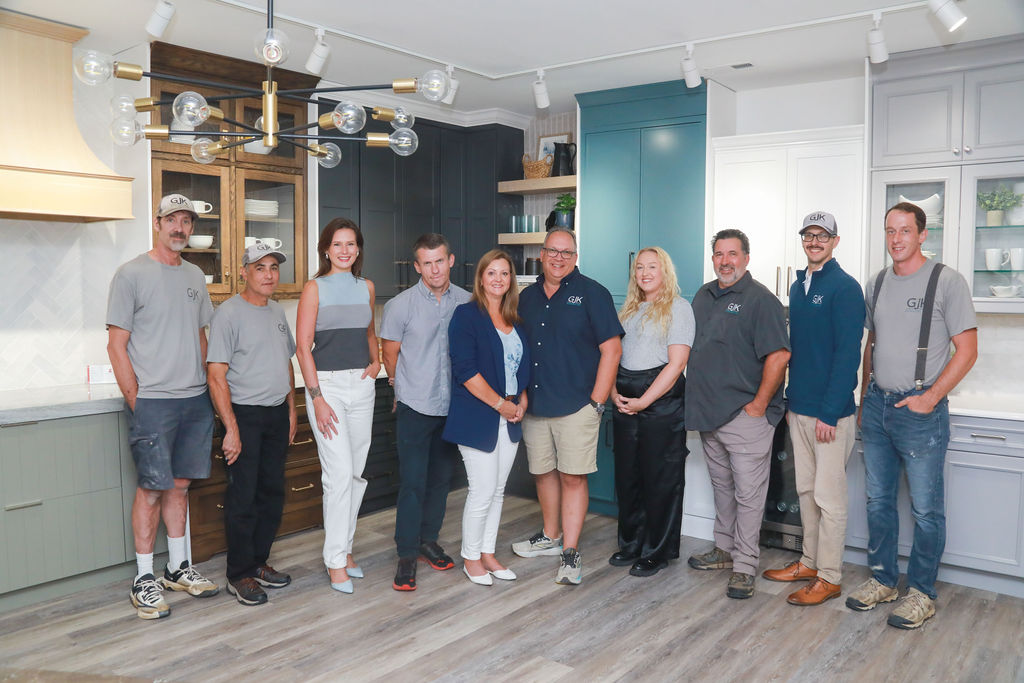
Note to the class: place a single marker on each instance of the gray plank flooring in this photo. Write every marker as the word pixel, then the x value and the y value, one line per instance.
pixel 675 626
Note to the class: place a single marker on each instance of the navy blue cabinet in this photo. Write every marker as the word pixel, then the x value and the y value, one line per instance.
pixel 642 152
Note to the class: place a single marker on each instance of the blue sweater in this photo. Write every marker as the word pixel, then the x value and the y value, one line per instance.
pixel 825 328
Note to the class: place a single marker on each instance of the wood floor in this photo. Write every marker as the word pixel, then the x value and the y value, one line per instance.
pixel 677 625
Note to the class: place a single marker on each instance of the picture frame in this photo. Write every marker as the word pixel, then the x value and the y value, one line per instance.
pixel 546 144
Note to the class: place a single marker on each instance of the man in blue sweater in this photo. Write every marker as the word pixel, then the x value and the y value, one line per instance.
pixel 826 320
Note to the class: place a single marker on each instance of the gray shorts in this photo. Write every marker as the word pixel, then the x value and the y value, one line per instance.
pixel 171 439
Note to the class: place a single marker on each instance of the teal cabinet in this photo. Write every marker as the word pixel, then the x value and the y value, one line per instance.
pixel 600 483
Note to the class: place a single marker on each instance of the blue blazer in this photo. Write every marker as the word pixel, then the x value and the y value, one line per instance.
pixel 475 347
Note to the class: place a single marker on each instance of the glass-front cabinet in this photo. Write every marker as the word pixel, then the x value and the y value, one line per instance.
pixel 272 212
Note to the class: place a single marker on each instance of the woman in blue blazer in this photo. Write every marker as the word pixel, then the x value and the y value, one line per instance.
pixel 490 370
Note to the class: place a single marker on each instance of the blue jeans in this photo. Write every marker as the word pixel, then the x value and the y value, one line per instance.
pixel 894 438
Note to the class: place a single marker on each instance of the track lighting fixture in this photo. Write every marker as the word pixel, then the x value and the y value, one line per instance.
pixel 540 91
pixel 321 51
pixel 159 19
pixel 690 72
pixel 948 13
pixel 878 53
pixel 453 86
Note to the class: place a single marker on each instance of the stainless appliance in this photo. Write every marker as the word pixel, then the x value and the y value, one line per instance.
pixel 781 526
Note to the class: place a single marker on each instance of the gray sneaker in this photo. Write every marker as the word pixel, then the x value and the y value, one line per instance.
pixel 912 610
pixel 716 558
pixel 187 579
pixel 538 544
pixel 148 598
pixel 570 571
pixel 740 586
pixel 869 594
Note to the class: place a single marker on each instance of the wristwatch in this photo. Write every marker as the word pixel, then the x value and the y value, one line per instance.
pixel 599 407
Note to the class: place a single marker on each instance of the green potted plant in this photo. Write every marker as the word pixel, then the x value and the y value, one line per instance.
pixel 565 209
pixel 996 202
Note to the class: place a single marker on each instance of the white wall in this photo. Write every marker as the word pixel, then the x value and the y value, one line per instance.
pixel 57 274
pixel 797 107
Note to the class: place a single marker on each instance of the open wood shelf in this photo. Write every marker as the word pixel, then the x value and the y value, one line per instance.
pixel 521 237
pixel 564 183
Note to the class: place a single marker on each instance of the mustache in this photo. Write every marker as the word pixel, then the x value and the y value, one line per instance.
pixel 178 235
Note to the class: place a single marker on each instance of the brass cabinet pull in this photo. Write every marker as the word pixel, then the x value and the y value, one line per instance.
pixel 1001 437
pixel 219 506
pixel 22 506
pixel 304 442
pixel 219 456
pixel 302 488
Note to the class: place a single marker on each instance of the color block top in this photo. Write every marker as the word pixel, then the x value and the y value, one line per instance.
pixel 343 315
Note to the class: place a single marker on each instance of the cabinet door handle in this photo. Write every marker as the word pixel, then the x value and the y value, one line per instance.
pixel 302 488
pixel 967 149
pixel 956 150
pixel 778 276
pixel 303 442
pixel 22 506
pixel 1000 437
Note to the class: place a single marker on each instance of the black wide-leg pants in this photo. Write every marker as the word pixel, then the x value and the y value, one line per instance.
pixel 650 454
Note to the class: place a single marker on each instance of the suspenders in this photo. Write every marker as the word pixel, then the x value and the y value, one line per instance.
pixel 926 321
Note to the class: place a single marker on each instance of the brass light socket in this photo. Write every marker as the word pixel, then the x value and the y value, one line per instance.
pixel 270 125
pixel 383 114
pixel 216 148
pixel 377 140
pixel 326 121
pixel 157 132
pixel 130 72
pixel 316 150
pixel 216 114
pixel 403 85
pixel 146 104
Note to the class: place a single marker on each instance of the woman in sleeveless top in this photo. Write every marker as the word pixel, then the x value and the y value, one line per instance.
pixel 490 369
pixel 338 356
pixel 649 434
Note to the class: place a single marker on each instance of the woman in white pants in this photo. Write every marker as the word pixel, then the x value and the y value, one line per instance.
pixel 490 370
pixel 339 359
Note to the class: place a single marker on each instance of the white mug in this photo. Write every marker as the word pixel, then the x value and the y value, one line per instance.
pixel 200 206
pixel 271 242
pixel 1017 258
pixel 996 258
pixel 249 241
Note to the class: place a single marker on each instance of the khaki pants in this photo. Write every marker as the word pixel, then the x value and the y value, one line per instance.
pixel 821 486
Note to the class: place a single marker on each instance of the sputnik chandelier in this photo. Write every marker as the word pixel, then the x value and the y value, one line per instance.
pixel 192 109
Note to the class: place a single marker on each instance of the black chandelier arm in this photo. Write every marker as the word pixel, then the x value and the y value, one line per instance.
pixel 298 144
pixel 294 129
pixel 244 126
pixel 202 83
pixel 216 133
pixel 328 138
pixel 240 142
pixel 340 88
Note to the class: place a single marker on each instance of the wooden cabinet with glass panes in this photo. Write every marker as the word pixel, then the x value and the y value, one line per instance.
pixel 253 193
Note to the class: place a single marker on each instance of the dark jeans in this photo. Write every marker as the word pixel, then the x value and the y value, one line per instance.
pixel 650 453
pixel 425 467
pixel 896 438
pixel 254 497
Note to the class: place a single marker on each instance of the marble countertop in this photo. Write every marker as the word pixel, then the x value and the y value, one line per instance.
pixel 998 406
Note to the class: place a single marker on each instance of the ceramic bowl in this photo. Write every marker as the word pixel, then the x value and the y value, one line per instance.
pixel 932 206
pixel 1004 290
pixel 200 241
pixel 209 279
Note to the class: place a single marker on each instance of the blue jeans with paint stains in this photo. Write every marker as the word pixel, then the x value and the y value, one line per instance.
pixel 896 438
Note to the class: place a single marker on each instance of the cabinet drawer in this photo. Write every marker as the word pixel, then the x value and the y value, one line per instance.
pixel 302 451
pixel 986 435
pixel 303 488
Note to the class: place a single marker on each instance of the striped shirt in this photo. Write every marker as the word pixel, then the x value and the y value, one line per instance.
pixel 343 316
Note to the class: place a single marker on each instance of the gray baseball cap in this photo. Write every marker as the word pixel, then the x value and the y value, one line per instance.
pixel 821 219
pixel 257 251
pixel 175 202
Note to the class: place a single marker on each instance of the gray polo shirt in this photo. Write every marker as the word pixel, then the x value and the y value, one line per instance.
pixel 257 345
pixel 737 327
pixel 163 308
pixel 897 324
pixel 419 322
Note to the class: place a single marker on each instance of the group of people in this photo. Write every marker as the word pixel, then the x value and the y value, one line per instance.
pixel 476 372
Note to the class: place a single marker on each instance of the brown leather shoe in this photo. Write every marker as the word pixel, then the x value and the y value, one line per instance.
pixel 814 593
pixel 794 571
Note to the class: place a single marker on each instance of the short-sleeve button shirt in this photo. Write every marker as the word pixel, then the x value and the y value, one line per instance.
pixel 564 333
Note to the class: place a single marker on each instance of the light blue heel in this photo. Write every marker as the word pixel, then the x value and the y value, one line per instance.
pixel 355 572
pixel 343 587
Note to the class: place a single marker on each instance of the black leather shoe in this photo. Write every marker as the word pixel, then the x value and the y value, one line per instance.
pixel 621 559
pixel 647 567
pixel 435 556
pixel 405 575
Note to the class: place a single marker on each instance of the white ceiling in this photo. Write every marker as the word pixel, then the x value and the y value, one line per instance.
pixel 496 39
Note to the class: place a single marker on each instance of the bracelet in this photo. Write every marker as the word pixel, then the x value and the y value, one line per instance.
pixel 314 392
pixel 497 406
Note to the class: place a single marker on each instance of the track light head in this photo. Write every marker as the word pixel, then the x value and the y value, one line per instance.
pixel 158 20
pixel 453 86
pixel 540 91
pixel 948 13
pixel 691 74
pixel 318 56
pixel 878 53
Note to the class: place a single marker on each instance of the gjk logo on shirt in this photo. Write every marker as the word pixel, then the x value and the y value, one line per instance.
pixel 193 294
pixel 575 300
pixel 282 328
pixel 818 299
pixel 733 308
pixel 915 303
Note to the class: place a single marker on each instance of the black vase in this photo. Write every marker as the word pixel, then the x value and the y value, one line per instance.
pixel 564 159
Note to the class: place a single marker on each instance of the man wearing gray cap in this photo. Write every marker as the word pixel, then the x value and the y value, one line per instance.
pixel 253 388
pixel 157 310
pixel 826 318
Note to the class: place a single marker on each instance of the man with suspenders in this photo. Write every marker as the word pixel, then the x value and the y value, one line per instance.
pixel 904 414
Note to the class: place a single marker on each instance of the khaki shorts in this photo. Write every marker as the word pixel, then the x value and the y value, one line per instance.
pixel 567 443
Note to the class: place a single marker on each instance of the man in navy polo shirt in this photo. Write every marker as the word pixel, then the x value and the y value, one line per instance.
pixel 575 344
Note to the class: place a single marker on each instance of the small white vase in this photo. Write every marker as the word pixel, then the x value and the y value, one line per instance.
pixel 994 218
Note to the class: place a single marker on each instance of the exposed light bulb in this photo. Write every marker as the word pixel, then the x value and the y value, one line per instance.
pixel 93 67
pixel 403 142
pixel 348 117
pixel 332 157
pixel 433 85
pixel 271 46
pixel 122 106
pixel 190 108
pixel 201 151
pixel 126 131
pixel 403 118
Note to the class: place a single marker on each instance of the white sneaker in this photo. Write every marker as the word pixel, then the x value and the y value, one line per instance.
pixel 538 544
pixel 148 598
pixel 189 580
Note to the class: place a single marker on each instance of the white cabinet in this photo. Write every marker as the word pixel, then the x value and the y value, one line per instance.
pixel 765 184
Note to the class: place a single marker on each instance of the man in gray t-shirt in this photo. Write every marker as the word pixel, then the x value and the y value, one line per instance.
pixel 253 388
pixel 156 314
pixel 904 418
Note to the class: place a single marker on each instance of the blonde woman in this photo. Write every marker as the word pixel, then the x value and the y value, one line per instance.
pixel 650 438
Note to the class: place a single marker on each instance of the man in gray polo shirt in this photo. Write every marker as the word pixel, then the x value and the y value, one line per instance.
pixel 734 399
pixel 156 314
pixel 253 388
pixel 414 334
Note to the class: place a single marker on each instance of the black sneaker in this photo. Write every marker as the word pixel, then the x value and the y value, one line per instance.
pixel 405 575
pixel 435 556
pixel 270 577
pixel 247 591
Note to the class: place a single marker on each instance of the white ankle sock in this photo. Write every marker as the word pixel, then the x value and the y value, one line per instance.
pixel 176 552
pixel 144 562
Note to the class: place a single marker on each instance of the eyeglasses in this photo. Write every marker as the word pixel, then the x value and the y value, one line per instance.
pixel 558 253
pixel 819 237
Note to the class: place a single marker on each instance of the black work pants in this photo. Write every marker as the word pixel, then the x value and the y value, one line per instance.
pixel 254 498
pixel 650 454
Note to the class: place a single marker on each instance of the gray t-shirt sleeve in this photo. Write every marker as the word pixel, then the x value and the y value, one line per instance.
pixel 223 336
pixel 683 326
pixel 121 301
pixel 959 310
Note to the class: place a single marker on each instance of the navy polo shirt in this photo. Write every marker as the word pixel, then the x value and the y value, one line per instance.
pixel 564 333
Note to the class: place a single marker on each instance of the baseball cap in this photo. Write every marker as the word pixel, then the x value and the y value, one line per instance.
pixel 257 251
pixel 821 219
pixel 175 202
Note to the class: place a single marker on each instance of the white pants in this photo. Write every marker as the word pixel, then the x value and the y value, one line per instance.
pixel 343 457
pixel 487 474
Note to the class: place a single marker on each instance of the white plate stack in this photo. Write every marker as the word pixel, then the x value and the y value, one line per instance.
pixel 260 208
pixel 932 207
